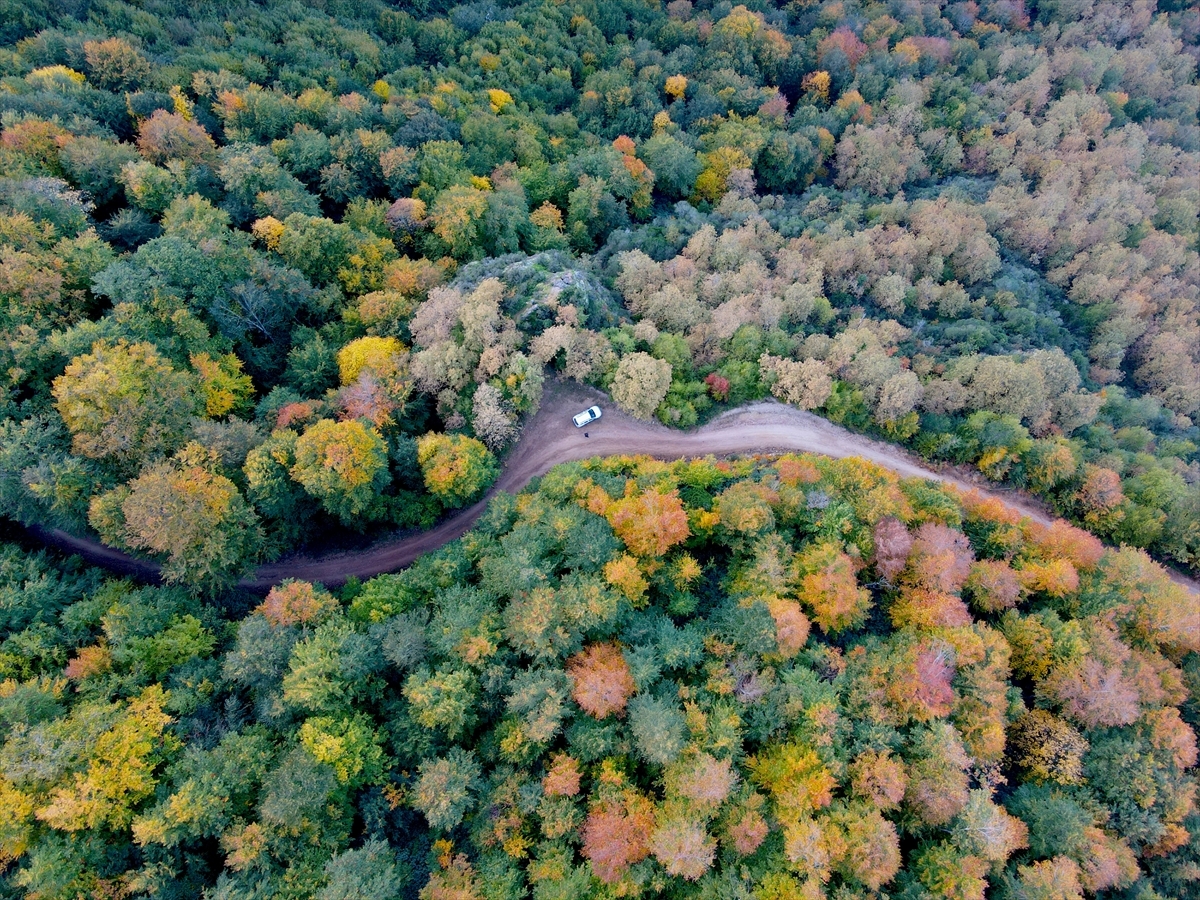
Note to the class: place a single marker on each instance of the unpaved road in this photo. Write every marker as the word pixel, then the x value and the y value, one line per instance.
pixel 550 438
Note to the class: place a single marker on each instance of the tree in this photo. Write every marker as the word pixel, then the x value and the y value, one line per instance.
pixel 114 65
pixel 443 699
pixel 617 834
pixel 937 786
pixel 1170 373
pixel 269 484
pixel 456 468
pixel 562 778
pixel 1100 497
pixel 125 403
pixel 169 136
pixel 455 879
pixel 947 872
pixel 683 847
pixel 347 744
pixel 1049 879
pixel 879 159
pixel 446 788
pixel 601 682
pixel 640 384
pixel 366 873
pixel 871 852
pixel 377 355
pixel 796 777
pixel 187 512
pixel 406 217
pixel 791 625
pixel 257 185
pixel 940 559
pixel 344 465
pixel 987 831
pixel 993 586
pixel 492 418
pixel 222 384
pixel 748 831
pixel 701 779
pixel 878 777
pixel 898 396
pixel 805 384
pixel 296 603
pixel 329 668
pixel 117 771
pixel 1056 822
pixel 455 219
pixel 650 523
pixel 892 546
pixel 657 727
pixel 94 165
pixel 826 585
pixel 675 165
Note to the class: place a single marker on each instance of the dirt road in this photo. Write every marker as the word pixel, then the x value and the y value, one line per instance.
pixel 550 438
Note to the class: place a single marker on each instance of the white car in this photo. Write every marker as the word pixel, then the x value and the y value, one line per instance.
pixel 589 415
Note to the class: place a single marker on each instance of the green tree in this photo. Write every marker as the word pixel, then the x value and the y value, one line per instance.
pixel 329 670
pixel 640 384
pixel 368 872
pixel 443 699
pixel 675 165
pixel 657 727
pixel 446 787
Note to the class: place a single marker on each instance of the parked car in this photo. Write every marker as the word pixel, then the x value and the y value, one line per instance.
pixel 589 415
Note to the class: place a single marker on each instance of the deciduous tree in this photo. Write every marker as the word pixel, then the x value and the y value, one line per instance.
pixel 191 515
pixel 640 384
pixel 456 468
pixel 124 402
pixel 826 585
pixel 601 682
pixel 343 465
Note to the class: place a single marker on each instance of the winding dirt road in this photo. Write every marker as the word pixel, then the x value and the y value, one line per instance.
pixel 549 439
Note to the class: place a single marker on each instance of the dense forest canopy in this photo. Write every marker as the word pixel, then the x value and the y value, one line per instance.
pixel 284 269
pixel 276 274
pixel 763 679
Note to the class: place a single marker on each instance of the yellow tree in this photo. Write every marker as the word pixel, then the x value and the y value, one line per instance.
pixel 650 523
pixel 456 468
pixel 125 403
pixel 455 217
pixel 826 585
pixel 343 465
pixel 184 510
pixel 120 770
pixel 796 778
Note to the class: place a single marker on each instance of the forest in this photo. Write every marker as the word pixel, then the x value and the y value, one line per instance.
pixel 282 276
pixel 276 273
pixel 774 678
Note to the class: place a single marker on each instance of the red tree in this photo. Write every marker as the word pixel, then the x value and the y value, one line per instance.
pixel 600 680
pixel 617 834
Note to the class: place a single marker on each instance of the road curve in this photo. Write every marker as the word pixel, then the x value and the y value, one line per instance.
pixel 549 438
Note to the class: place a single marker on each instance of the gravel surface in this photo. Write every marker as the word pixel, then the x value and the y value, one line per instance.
pixel 550 438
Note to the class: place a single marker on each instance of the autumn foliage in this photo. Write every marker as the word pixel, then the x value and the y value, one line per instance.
pixel 296 603
pixel 650 523
pixel 617 834
pixel 600 679
pixel 827 586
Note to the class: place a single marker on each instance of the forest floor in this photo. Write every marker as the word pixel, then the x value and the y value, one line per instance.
pixel 550 438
